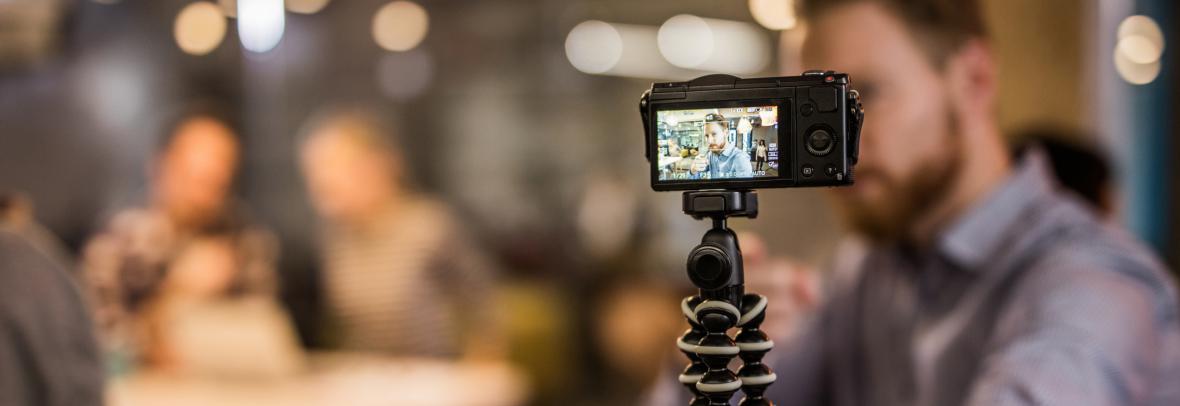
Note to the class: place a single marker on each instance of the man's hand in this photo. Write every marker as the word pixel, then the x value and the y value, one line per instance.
pixel 792 288
pixel 204 269
pixel 700 164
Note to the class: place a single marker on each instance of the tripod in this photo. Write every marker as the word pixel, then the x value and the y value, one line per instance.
pixel 715 267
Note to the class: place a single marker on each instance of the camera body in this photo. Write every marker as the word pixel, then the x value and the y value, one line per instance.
pixel 723 132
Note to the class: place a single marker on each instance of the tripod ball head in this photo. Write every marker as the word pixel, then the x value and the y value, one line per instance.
pixel 715 266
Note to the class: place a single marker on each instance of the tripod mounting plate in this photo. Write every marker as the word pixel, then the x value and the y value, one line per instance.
pixel 720 203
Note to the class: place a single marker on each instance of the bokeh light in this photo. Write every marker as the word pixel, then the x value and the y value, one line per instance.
pixel 708 44
pixel 1136 73
pixel 400 25
pixel 686 41
pixel 1139 50
pixel 306 6
pixel 199 28
pixel 594 47
pixel 116 87
pixel 260 24
pixel 1143 26
pixel 630 50
pixel 774 14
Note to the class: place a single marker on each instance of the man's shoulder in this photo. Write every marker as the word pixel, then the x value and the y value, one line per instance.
pixel 17 254
pixel 1073 236
pixel 25 273
pixel 1077 255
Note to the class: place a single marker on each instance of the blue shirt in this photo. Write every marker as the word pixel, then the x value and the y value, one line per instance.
pixel 730 163
pixel 1027 299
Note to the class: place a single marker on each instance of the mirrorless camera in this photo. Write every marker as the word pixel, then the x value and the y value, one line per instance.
pixel 723 132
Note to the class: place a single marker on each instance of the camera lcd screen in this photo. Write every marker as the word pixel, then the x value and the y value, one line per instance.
pixel 718 143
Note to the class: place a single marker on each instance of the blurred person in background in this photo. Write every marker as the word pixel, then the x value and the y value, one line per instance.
pixel 1079 168
pixel 17 216
pixel 191 242
pixel 973 279
pixel 629 330
pixel 400 275
pixel 48 354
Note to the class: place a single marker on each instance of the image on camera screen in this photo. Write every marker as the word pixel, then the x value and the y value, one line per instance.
pixel 718 143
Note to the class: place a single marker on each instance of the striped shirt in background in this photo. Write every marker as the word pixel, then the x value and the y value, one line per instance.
pixel 408 284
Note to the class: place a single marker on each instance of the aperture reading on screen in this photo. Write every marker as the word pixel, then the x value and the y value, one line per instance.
pixel 717 143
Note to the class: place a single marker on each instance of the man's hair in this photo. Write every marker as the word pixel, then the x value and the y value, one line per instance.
pixel 1078 165
pixel 362 125
pixel 183 114
pixel 717 118
pixel 940 26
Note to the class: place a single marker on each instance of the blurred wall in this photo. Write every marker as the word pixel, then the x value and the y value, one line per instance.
pixel 1042 54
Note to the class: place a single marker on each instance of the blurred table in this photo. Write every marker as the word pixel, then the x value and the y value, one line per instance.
pixel 334 379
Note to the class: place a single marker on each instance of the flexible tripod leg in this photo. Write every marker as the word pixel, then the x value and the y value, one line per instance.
pixel 756 377
pixel 716 349
pixel 687 344
pixel 752 343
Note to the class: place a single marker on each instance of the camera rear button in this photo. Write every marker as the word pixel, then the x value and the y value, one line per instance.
pixel 807 171
pixel 819 142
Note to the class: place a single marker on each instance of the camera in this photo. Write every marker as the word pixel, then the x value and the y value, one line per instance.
pixel 724 132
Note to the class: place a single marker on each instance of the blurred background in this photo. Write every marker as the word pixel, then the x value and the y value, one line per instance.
pixel 520 117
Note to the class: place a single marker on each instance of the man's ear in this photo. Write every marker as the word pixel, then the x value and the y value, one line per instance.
pixel 972 74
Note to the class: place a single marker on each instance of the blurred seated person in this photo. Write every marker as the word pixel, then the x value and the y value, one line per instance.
pixel 401 276
pixel 631 326
pixel 191 241
pixel 48 354
pixel 1077 166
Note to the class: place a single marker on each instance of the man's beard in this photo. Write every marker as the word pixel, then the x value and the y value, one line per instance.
pixel 907 198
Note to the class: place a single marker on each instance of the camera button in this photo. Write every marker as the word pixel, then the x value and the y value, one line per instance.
pixel 824 98
pixel 807 171
pixel 820 142
pixel 831 170
pixel 807 109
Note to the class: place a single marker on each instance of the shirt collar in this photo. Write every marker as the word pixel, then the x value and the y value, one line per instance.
pixel 977 236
